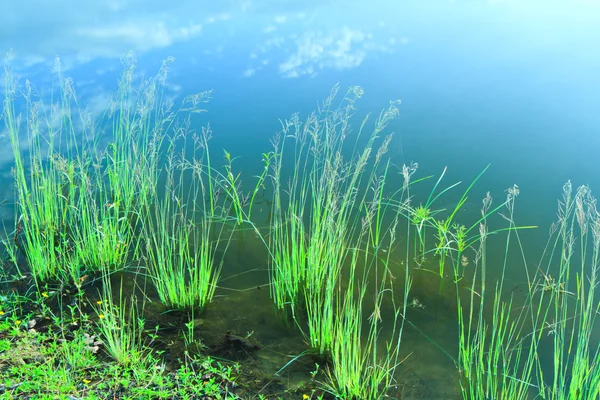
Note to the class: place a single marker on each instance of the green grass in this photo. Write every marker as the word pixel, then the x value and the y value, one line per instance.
pixel 490 352
pixel 566 307
pixel 120 325
pixel 43 187
pixel 75 200
pixel 365 369
pixel 187 231
pixel 331 216
pixel 543 345
pixel 59 365
pixel 317 217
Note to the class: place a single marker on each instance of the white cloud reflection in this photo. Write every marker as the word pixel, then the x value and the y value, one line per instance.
pixel 81 32
pixel 298 37
pixel 339 50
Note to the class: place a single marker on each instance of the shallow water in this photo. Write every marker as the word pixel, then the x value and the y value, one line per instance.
pixel 272 346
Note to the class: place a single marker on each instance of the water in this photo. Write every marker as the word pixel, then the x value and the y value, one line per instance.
pixel 507 84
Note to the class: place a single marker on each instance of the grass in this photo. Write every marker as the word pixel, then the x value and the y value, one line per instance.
pixel 543 345
pixel 75 202
pixel 567 307
pixel 359 369
pixel 494 360
pixel 316 221
pixel 187 230
pixel 490 353
pixel 323 224
pixel 44 201
pixel 135 189
pixel 46 362
pixel 121 326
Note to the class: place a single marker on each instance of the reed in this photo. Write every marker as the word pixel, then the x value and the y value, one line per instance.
pixel 565 308
pixel 545 348
pixel 361 368
pixel 316 217
pixel 493 361
pixel 45 181
pixel 186 233
pixel 77 201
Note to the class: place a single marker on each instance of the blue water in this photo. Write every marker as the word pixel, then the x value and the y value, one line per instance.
pixel 513 84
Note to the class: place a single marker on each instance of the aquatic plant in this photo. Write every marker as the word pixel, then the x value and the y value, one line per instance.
pixel 187 228
pixel 43 189
pixel 545 347
pixel 566 307
pixel 361 368
pixel 138 184
pixel 77 200
pixel 491 359
pixel 316 217
pixel 323 222
pixel 448 234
